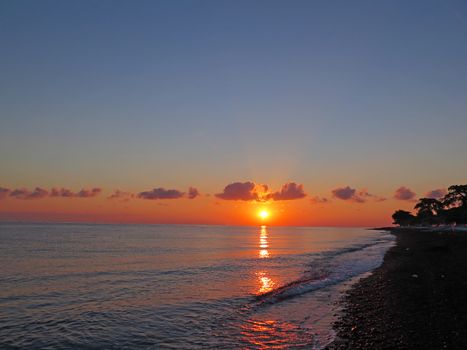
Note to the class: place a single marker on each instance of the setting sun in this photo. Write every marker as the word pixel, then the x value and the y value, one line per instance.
pixel 263 214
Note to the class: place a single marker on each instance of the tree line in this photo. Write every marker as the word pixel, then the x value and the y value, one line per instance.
pixel 449 210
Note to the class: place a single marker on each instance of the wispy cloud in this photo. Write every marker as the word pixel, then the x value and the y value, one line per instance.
pixel 193 193
pixel 436 194
pixel 404 194
pixel 319 200
pixel 121 195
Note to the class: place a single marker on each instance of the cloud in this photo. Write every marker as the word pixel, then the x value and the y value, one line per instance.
pixel 319 200
pixel 350 194
pixel 193 193
pixel 4 192
pixel 160 193
pixel 66 193
pixel 364 194
pixel 250 191
pixel 40 193
pixel 343 193
pixel 289 191
pixel 436 194
pixel 121 195
pixel 61 192
pixel 89 193
pixel 404 194
pixel 243 191
pixel 23 193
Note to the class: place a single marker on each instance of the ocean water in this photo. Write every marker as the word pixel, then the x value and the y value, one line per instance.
pixel 68 286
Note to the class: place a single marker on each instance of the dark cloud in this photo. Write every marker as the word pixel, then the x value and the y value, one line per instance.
pixel 289 191
pixel 319 200
pixel 23 193
pixel 61 192
pixel 160 193
pixel 436 194
pixel 242 191
pixel 250 191
pixel 66 193
pixel 4 192
pixel 350 194
pixel 121 195
pixel 344 193
pixel 40 193
pixel 404 194
pixel 193 193
pixel 84 193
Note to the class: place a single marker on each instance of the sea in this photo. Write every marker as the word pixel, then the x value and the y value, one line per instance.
pixel 96 286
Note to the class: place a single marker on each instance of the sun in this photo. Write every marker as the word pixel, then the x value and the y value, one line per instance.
pixel 263 214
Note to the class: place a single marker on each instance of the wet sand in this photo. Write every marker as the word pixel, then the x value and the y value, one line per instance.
pixel 417 299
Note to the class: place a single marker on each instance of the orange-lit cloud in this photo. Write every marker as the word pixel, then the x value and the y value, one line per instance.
pixel 404 194
pixel 436 194
pixel 289 191
pixel 160 193
pixel 250 191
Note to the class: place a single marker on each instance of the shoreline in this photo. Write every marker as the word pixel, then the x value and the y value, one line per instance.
pixel 416 299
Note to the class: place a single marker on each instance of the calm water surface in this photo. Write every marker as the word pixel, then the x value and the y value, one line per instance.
pixel 70 286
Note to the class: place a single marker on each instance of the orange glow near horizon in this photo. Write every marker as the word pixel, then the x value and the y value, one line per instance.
pixel 202 210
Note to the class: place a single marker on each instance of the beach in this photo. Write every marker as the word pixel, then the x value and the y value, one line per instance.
pixel 417 299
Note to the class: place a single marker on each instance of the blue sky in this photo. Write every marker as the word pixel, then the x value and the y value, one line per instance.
pixel 127 94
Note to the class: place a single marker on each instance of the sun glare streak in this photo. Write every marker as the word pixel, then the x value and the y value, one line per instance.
pixel 263 243
pixel 265 283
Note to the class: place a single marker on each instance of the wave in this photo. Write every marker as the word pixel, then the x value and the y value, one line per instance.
pixel 331 268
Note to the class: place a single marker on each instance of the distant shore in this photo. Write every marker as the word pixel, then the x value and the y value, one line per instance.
pixel 417 299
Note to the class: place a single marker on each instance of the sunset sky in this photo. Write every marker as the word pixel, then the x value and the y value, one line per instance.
pixel 322 112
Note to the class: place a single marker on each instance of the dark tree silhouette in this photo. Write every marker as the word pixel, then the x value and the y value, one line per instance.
pixel 429 211
pixel 452 209
pixel 403 218
pixel 431 206
pixel 456 196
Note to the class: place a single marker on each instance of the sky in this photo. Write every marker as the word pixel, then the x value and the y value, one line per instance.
pixel 346 111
